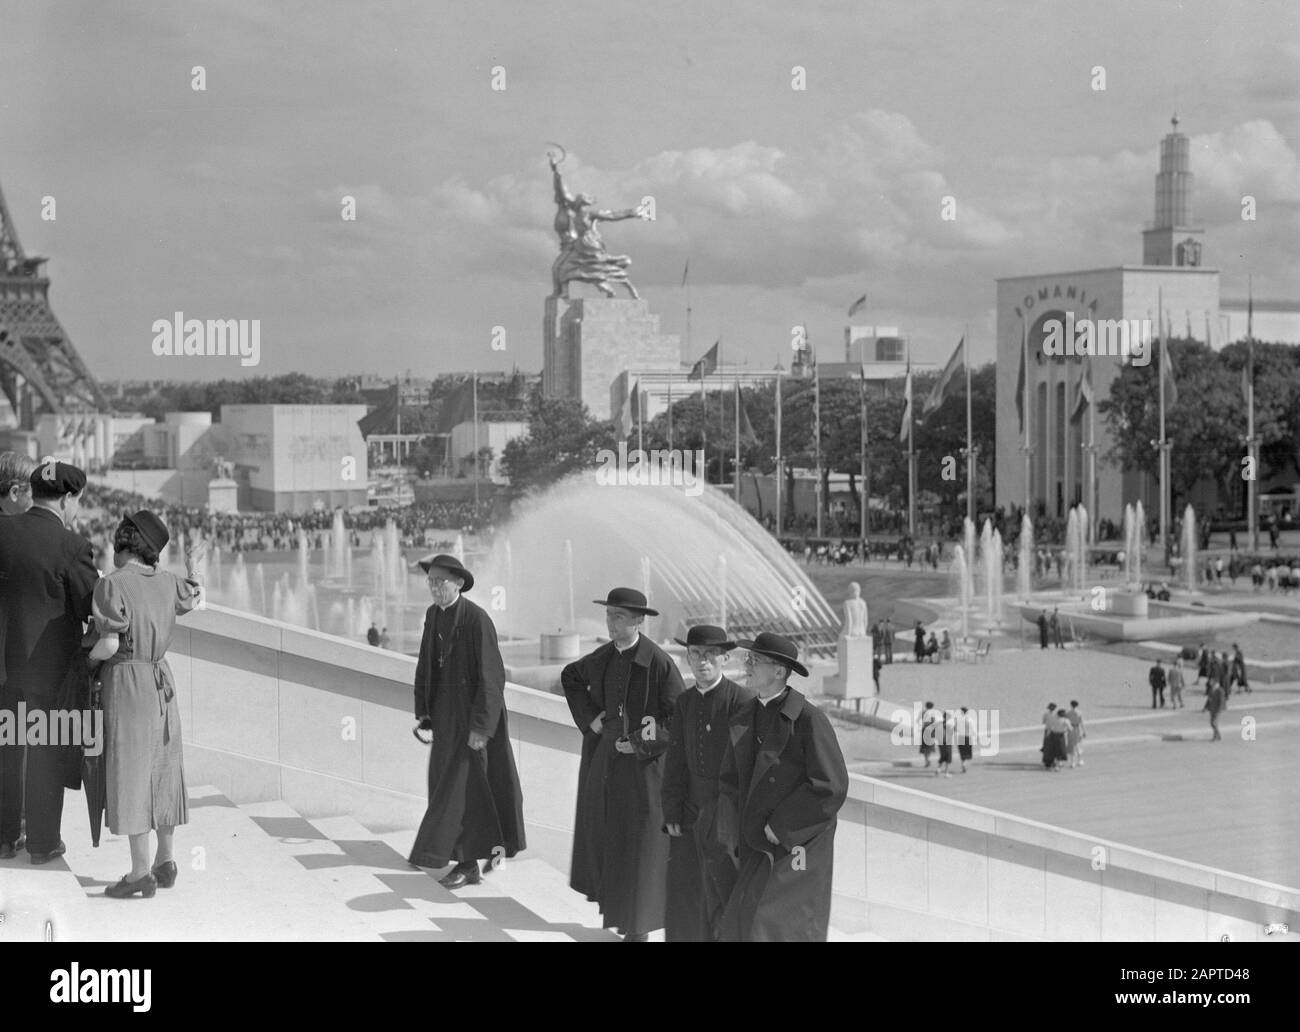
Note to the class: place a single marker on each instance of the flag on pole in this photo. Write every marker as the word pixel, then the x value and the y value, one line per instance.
pixel 905 431
pixel 1167 373
pixel 1020 379
pixel 1082 394
pixel 686 271
pixel 956 362
pixel 707 364
pixel 627 417
pixel 857 306
pixel 746 434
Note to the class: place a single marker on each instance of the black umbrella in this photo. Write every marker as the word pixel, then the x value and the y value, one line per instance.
pixel 92 767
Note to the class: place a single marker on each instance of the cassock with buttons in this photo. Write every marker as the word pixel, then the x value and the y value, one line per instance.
pixel 783 770
pixel 700 873
pixel 620 851
pixel 475 803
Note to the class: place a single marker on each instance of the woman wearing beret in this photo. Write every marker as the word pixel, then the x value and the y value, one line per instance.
pixel 135 610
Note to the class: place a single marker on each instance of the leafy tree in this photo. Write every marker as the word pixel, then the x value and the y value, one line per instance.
pixel 562 438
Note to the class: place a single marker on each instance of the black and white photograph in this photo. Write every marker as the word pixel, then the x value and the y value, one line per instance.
pixel 651 472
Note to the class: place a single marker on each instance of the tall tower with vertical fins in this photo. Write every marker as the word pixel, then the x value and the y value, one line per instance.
pixel 1172 239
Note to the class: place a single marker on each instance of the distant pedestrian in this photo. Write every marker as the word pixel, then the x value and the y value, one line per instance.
pixel 1225 677
pixel 372 635
pixel 1048 716
pixel 875 672
pixel 1202 664
pixel 1156 678
pixel 1042 629
pixel 384 639
pixel 1055 624
pixel 1079 734
pixel 967 728
pixel 947 731
pixel 1214 705
pixel 918 649
pixel 1175 682
pixel 887 635
pixel 1239 667
pixel 925 730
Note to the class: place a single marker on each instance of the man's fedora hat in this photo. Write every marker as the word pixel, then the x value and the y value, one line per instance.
pixel 627 598
pixel 151 528
pixel 452 565
pixel 773 646
pixel 707 636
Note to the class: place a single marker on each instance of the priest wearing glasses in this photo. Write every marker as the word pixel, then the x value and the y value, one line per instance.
pixel 700 873
pixel 782 783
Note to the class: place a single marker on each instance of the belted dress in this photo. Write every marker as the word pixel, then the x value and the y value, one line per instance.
pixel 145 772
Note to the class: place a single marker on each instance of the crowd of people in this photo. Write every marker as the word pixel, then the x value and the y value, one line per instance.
pixel 1063 735
pixel 271 531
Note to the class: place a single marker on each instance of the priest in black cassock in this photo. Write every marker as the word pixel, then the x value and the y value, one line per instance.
pixel 782 783
pixel 700 873
pixel 475 803
pixel 621 697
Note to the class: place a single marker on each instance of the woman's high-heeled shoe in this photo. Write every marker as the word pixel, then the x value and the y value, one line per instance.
pixel 165 874
pixel 124 889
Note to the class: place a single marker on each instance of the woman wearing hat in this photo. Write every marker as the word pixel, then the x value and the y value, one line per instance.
pixel 135 609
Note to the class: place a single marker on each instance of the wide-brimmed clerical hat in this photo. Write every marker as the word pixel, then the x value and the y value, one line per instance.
pixel 776 647
pixel 706 636
pixel 151 528
pixel 627 598
pixel 452 565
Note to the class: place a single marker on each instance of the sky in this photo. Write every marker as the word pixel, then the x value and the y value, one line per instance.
pixel 226 203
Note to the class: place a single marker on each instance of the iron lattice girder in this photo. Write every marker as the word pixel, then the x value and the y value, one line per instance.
pixel 36 346
pixel 32 343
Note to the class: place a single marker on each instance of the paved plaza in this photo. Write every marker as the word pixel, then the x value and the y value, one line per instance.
pixel 1151 778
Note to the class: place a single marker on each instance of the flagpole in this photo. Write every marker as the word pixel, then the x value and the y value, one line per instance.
pixel 970 451
pixel 476 445
pixel 911 450
pixel 779 470
pixel 737 429
pixel 1092 460
pixel 1024 400
pixel 817 430
pixel 862 458
pixel 1252 500
pixel 1164 443
pixel 640 407
pixel 670 415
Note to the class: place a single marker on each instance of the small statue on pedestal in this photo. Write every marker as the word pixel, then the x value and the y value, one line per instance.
pixel 855 614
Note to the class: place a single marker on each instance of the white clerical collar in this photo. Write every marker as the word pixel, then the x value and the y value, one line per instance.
pixel 705 689
pixel 623 648
pixel 772 698
pixel 449 604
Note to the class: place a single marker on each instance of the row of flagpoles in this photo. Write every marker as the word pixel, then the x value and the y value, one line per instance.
pixel 632 415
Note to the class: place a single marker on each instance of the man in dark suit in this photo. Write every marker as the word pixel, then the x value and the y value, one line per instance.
pixel 782 783
pixel 700 874
pixel 622 697
pixel 475 803
pixel 15 499
pixel 47 577
pixel 1156 678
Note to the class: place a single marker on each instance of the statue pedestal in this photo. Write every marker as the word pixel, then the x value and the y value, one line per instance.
pixel 223 496
pixel 854 679
pixel 589 341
